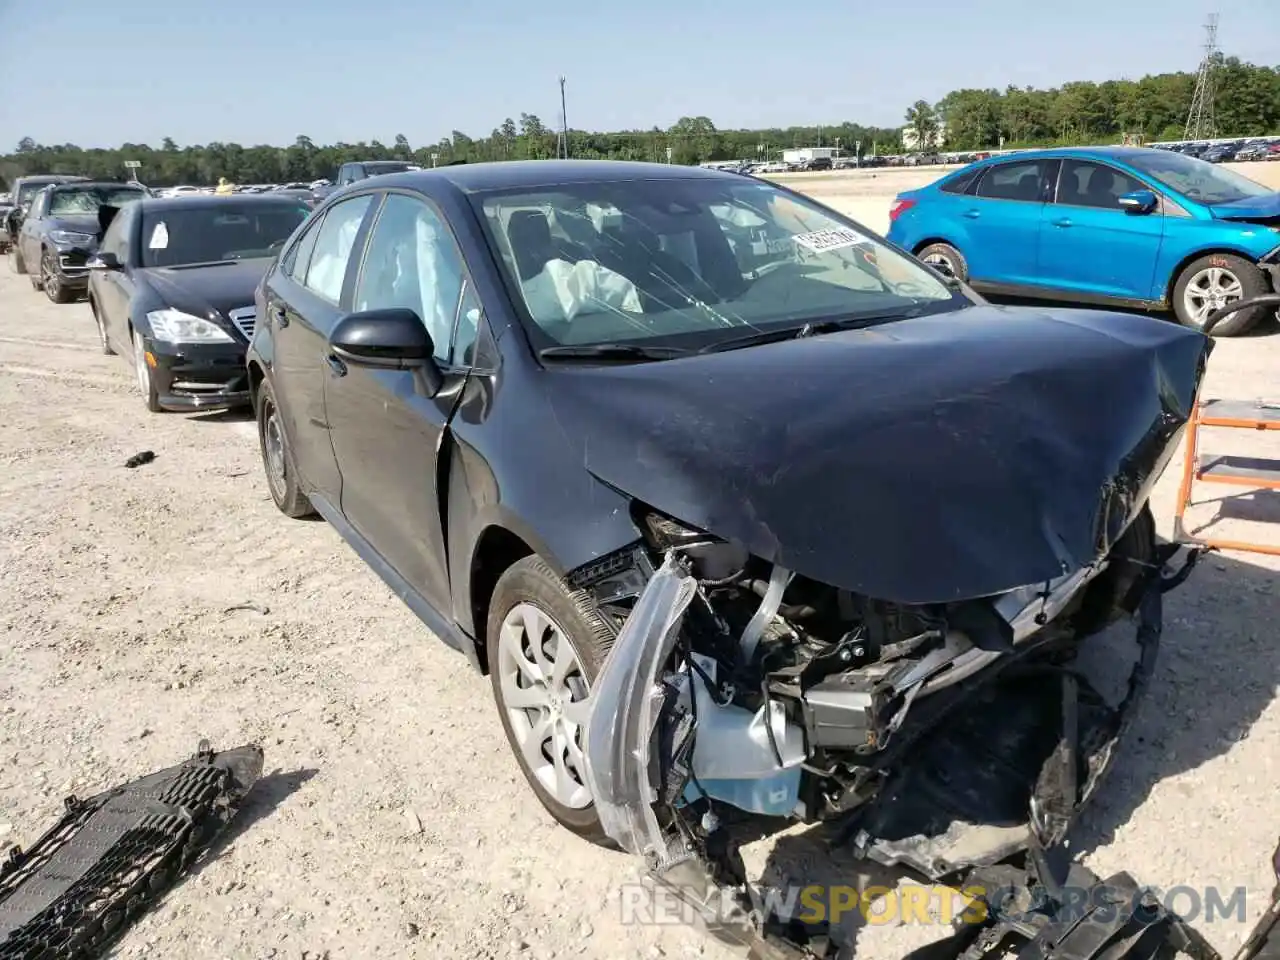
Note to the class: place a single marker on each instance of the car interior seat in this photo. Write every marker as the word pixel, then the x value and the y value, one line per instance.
pixel 529 233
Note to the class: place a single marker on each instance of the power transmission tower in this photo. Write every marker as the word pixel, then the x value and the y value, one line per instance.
pixel 1200 122
pixel 562 144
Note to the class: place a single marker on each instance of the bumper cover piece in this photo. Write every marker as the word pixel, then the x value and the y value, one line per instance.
pixel 110 856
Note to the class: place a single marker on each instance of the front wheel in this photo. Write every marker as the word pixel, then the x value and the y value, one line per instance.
pixel 142 370
pixel 546 645
pixel 277 457
pixel 1214 281
pixel 52 283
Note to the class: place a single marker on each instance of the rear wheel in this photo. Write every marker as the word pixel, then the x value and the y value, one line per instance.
pixel 546 646
pixel 945 258
pixel 1214 281
pixel 277 457
pixel 102 329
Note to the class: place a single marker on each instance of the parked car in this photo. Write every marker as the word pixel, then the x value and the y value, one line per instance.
pixel 1253 150
pixel 171 288
pixel 24 191
pixel 60 232
pixel 5 208
pixel 1222 152
pixel 517 390
pixel 350 173
pixel 1129 226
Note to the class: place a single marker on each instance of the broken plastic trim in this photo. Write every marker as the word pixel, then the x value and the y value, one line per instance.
pixel 111 856
pixel 624 713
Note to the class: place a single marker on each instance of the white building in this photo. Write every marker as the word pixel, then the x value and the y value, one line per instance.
pixel 937 140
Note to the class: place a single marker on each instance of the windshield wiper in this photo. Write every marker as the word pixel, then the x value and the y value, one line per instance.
pixel 810 329
pixel 611 351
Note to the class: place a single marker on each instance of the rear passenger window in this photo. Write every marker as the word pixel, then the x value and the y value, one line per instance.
pixel 1013 181
pixel 334 241
pixel 961 182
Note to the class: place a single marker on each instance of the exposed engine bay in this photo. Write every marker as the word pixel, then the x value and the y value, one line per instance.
pixel 941 736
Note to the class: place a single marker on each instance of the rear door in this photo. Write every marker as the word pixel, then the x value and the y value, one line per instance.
pixel 29 235
pixel 1089 244
pixel 1002 221
pixel 112 290
pixel 303 300
pixel 386 435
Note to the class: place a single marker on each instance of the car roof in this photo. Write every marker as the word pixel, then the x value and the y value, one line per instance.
pixel 1050 153
pixel 80 184
pixel 505 174
pixel 50 178
pixel 205 201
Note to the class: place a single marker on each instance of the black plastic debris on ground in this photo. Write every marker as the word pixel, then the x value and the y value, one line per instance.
pixel 111 856
pixel 138 459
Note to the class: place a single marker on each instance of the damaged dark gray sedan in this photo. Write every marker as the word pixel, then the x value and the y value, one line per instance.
pixel 741 507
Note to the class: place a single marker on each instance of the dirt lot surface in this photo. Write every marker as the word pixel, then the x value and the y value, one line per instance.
pixel 393 821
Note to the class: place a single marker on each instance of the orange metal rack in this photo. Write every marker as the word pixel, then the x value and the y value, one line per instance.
pixel 1216 468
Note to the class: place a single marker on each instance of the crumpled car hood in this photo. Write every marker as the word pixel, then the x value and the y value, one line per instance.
pixel 926 460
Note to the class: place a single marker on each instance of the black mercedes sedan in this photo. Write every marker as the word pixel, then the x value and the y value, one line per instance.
pixel 739 505
pixel 172 287
pixel 60 233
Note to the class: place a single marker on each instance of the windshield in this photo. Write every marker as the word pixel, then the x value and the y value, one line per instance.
pixel 1196 179
pixel 85 201
pixel 207 233
pixel 691 262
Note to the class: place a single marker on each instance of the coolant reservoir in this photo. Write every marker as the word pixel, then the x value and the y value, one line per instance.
pixel 733 758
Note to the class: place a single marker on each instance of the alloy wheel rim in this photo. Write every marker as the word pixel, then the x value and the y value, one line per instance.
pixel 273 448
pixel 546 698
pixel 1208 290
pixel 140 365
pixel 48 279
pixel 940 261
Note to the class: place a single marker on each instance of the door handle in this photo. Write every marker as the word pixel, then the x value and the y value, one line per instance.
pixel 281 315
pixel 1062 222
pixel 336 366
pixel 972 214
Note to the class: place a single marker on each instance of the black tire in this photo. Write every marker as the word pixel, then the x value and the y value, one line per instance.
pixel 103 342
pixel 142 373
pixel 282 476
pixel 1249 280
pixel 945 254
pixel 53 287
pixel 531 581
pixel 16 263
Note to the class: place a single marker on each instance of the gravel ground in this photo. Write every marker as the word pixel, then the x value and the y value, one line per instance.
pixel 393 821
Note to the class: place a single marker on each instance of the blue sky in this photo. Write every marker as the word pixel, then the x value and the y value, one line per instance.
pixel 102 73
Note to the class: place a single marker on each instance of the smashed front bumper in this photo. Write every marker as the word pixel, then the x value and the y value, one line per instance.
pixel 629 755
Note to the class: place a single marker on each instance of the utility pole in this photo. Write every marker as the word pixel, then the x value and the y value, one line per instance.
pixel 1200 119
pixel 564 125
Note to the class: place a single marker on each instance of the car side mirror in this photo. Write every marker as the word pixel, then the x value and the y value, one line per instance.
pixel 1139 201
pixel 103 261
pixel 390 339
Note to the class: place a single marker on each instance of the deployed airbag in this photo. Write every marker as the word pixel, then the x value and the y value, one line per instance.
pixel 564 290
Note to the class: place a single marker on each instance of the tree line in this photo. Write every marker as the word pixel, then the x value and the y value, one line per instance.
pixel 1247 103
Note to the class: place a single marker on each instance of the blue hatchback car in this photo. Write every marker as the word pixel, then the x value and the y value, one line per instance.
pixel 1123 226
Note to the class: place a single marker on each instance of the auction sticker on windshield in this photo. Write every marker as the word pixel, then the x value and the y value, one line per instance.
pixel 159 237
pixel 821 241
